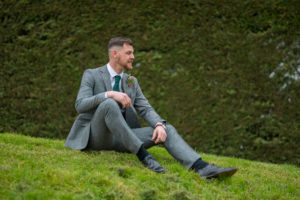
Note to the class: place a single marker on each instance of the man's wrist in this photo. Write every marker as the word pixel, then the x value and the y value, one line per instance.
pixel 109 94
pixel 160 124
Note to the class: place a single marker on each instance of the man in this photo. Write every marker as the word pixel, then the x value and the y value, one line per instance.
pixel 107 102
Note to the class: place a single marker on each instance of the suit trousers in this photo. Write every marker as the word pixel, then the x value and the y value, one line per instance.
pixel 109 131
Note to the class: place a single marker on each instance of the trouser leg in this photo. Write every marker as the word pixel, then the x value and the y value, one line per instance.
pixel 179 149
pixel 174 144
pixel 109 128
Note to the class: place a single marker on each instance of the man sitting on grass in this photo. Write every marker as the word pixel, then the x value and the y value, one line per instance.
pixel 107 102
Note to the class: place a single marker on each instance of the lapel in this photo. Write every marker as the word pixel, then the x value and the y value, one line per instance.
pixel 124 83
pixel 103 71
pixel 130 114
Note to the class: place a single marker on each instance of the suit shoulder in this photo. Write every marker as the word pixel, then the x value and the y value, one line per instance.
pixel 93 70
pixel 88 72
pixel 100 68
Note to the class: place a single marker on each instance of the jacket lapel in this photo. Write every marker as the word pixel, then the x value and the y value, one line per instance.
pixel 124 84
pixel 106 77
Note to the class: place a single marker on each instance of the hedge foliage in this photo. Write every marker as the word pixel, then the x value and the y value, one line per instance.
pixel 223 72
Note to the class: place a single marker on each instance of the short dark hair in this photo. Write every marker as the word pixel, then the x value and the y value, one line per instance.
pixel 119 41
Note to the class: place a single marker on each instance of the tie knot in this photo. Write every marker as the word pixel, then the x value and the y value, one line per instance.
pixel 117 78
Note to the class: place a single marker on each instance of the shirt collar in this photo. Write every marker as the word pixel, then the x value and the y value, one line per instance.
pixel 112 72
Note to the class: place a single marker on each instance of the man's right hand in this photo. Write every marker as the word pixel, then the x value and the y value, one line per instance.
pixel 120 97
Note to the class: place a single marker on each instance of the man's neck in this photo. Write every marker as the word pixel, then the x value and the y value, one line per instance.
pixel 116 67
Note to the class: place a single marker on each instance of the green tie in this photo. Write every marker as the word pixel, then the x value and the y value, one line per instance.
pixel 117 81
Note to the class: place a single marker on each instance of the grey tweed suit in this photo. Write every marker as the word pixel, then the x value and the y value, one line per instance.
pixel 101 125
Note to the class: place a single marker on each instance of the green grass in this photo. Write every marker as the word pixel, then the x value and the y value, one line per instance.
pixel 36 168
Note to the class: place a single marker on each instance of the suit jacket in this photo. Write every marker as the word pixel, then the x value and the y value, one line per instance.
pixel 94 84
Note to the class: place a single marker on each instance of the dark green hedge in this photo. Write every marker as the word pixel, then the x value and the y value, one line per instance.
pixel 204 65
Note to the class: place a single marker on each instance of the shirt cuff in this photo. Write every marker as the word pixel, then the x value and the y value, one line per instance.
pixel 105 95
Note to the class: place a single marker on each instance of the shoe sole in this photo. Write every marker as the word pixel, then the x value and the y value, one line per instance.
pixel 161 171
pixel 227 173
pixel 156 171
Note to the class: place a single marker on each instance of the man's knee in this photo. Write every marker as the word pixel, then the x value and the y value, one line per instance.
pixel 108 105
pixel 110 102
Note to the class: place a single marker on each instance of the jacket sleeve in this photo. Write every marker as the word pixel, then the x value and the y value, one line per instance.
pixel 86 100
pixel 144 109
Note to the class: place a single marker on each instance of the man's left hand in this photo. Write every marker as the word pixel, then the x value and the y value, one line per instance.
pixel 160 134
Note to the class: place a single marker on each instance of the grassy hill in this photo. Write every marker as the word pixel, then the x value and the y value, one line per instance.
pixel 36 168
pixel 205 66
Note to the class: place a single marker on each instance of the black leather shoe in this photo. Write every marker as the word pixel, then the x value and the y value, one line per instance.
pixel 152 164
pixel 212 171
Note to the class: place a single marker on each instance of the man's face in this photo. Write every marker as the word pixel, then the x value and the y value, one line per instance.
pixel 125 57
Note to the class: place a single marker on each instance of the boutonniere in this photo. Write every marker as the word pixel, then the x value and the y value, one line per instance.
pixel 130 81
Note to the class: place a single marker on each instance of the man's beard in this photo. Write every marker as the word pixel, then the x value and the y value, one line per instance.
pixel 127 66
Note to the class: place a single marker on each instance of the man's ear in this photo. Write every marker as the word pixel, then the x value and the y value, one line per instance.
pixel 114 53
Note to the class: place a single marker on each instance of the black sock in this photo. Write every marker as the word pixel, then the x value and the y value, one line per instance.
pixel 199 164
pixel 142 153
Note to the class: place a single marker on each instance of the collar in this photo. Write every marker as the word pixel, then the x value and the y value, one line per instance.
pixel 112 72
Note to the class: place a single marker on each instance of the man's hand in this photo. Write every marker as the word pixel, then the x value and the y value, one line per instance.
pixel 160 134
pixel 120 97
